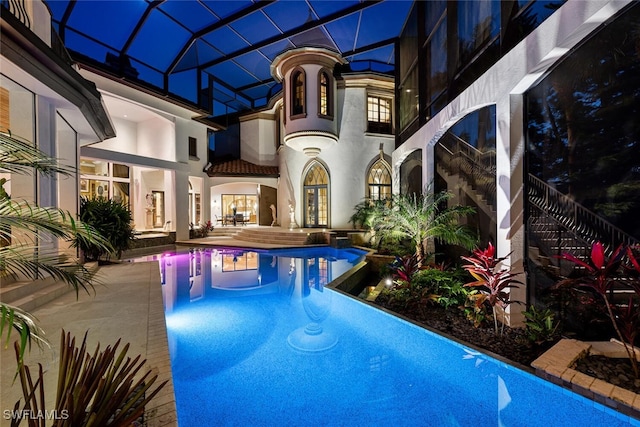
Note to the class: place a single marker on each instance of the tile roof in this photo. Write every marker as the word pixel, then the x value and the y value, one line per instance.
pixel 239 167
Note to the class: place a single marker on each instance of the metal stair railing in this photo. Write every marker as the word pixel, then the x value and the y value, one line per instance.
pixel 586 226
pixel 557 224
pixel 477 168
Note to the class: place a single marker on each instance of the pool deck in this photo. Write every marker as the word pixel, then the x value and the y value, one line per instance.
pixel 126 305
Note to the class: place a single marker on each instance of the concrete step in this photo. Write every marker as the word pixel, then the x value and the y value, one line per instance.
pixel 19 289
pixel 40 296
pixel 43 296
pixel 277 237
pixel 29 295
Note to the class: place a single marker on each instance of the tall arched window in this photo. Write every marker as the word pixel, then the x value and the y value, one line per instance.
pixel 379 180
pixel 316 196
pixel 325 95
pixel 298 101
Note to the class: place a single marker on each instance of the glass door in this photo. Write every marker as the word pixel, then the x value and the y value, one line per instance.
pixel 316 206
pixel 158 208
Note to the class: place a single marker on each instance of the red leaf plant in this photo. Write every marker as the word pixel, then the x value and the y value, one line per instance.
pixel 403 270
pixel 492 282
pixel 601 275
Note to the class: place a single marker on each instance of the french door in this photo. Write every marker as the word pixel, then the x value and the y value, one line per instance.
pixel 315 206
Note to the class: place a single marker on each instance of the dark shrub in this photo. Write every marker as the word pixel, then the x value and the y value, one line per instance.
pixel 112 220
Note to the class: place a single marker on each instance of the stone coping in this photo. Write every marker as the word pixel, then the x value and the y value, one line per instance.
pixel 555 366
pixel 161 410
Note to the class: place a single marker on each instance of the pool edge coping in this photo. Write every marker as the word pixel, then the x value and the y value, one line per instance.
pixel 161 411
pixel 555 366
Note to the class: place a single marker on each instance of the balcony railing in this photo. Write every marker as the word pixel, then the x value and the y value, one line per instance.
pixel 18 8
pixel 35 16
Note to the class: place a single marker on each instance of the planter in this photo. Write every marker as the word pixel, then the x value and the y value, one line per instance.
pixel 555 365
pixel 379 262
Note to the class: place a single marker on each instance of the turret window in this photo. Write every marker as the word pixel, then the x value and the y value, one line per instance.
pixel 325 95
pixel 298 101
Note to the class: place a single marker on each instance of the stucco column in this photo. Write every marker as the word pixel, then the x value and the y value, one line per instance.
pixel 181 203
pixel 510 197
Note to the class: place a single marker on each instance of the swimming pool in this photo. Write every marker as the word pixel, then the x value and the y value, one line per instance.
pixel 257 339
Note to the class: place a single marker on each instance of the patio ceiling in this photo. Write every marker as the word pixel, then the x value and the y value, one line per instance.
pixel 216 54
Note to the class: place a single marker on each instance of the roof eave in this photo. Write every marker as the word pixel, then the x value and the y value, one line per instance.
pixel 21 46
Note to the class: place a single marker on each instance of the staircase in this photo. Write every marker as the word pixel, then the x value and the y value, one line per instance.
pixel 272 236
pixel 557 225
pixel 471 167
pixel 480 199
pixel 29 295
pixel 282 237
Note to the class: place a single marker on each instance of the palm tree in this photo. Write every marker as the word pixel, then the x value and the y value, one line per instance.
pixel 24 225
pixel 420 217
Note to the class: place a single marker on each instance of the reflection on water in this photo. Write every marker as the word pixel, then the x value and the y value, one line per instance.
pixel 317 305
pixel 203 273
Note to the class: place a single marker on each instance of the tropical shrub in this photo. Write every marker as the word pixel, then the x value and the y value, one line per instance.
pixel 492 281
pixel 112 220
pixel 474 312
pixel 364 216
pixel 540 325
pixel 103 389
pixel 407 291
pixel 447 284
pixel 600 276
pixel 388 245
pixel 423 217
pixel 404 269
pixel 364 212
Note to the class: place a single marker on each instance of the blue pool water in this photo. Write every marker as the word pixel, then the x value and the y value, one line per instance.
pixel 256 339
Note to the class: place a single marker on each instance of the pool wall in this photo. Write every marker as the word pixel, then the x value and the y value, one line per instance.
pixel 459 365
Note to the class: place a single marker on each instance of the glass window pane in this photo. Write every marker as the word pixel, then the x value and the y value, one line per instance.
pixel 379 180
pixel 298 101
pixel 120 171
pixel 379 114
pixel 121 193
pixel 477 24
pixel 94 167
pixel 437 62
pixel 98 189
pixel 324 94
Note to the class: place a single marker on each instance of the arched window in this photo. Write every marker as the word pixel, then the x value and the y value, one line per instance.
pixel 325 95
pixel 316 196
pixel 379 180
pixel 298 101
